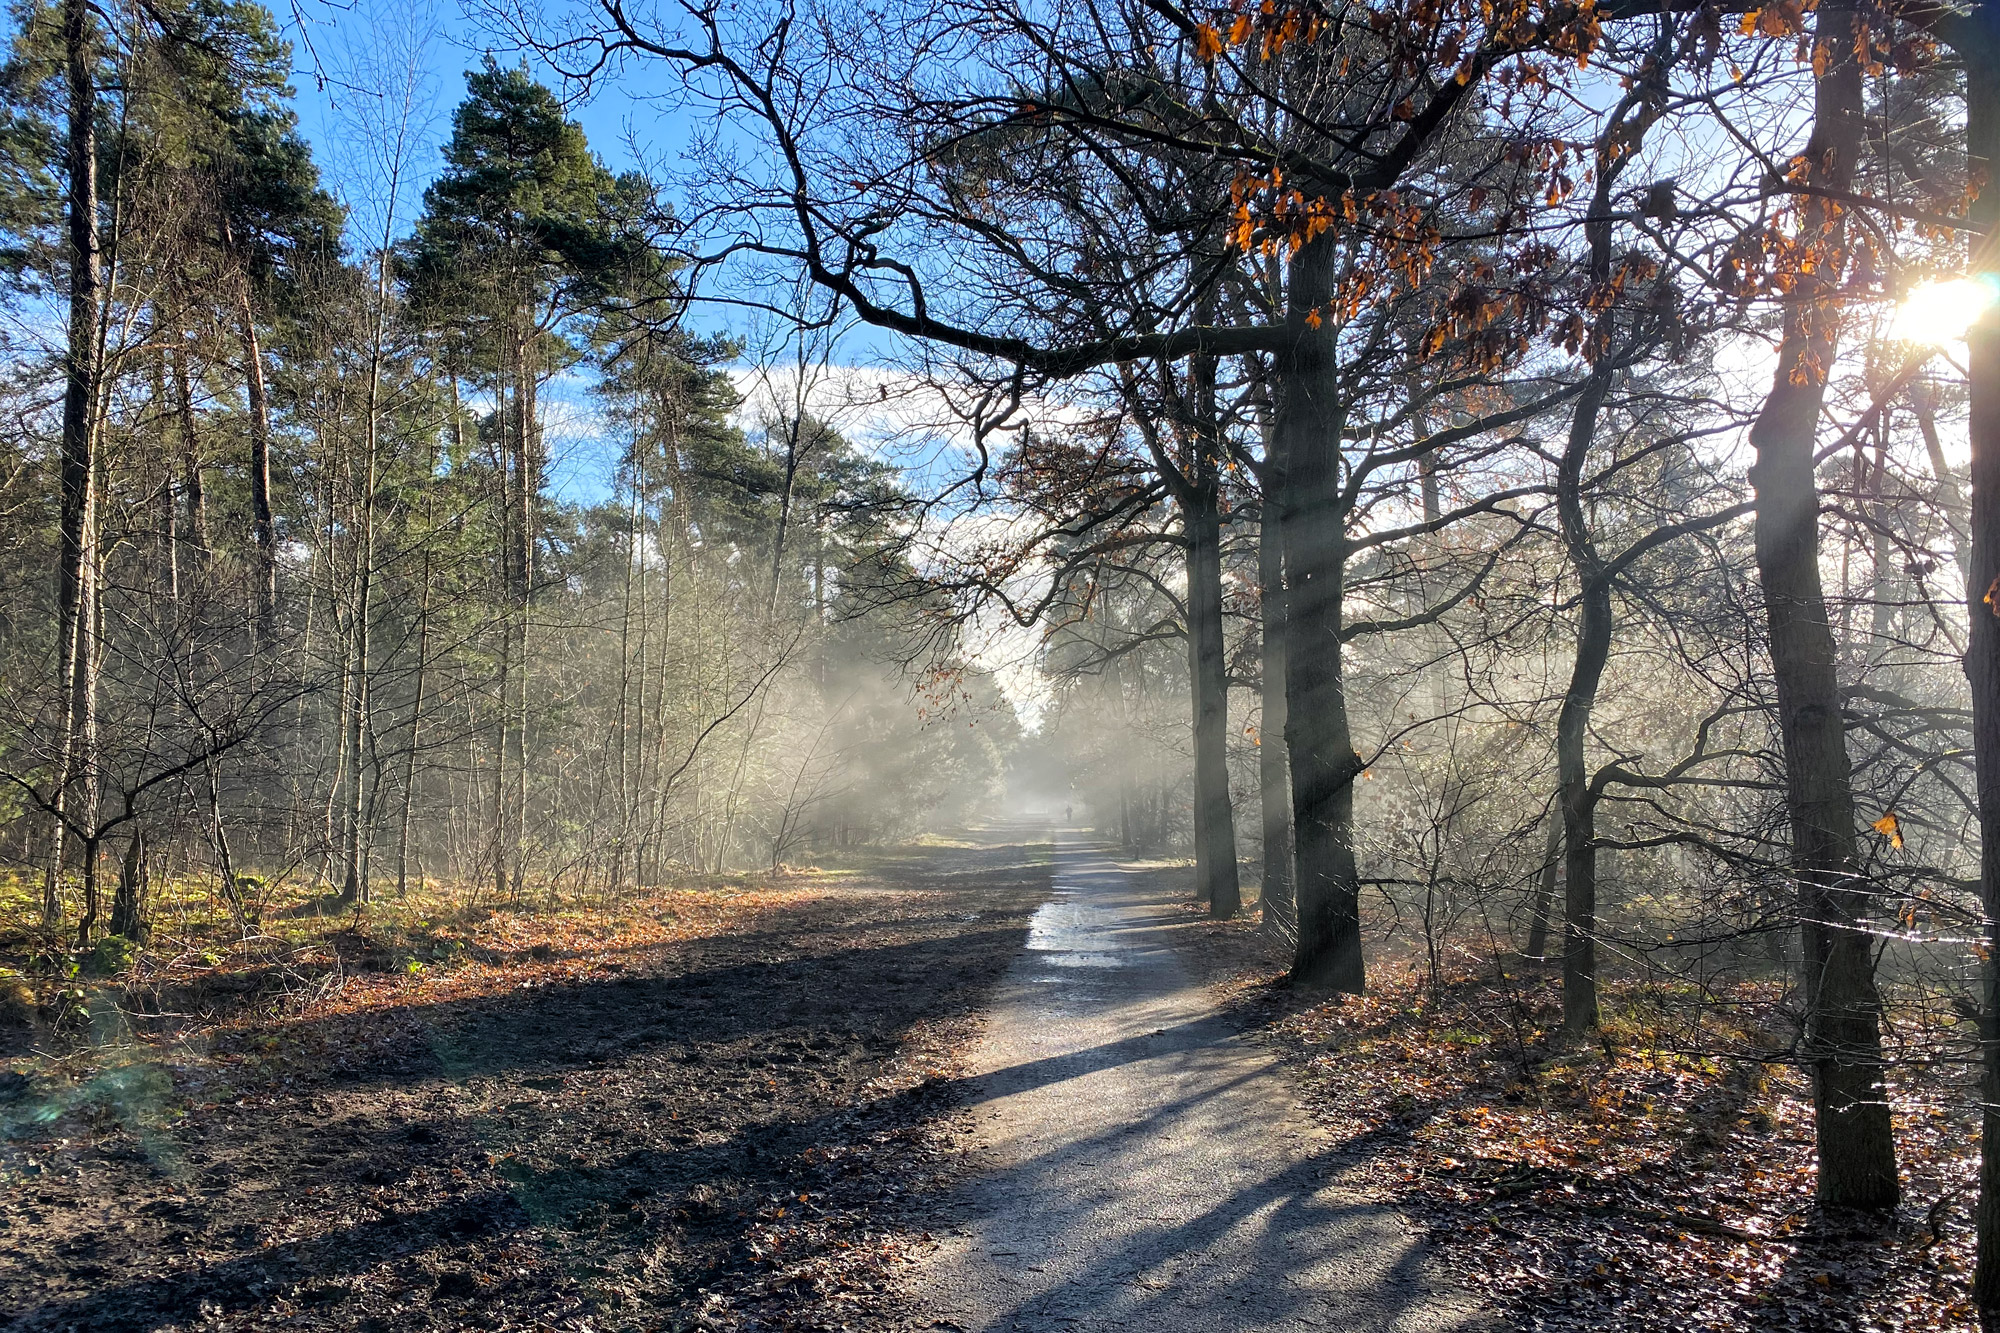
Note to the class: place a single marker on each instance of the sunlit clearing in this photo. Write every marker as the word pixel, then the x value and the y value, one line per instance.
pixel 1942 312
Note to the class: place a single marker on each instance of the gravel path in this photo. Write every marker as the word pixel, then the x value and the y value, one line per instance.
pixel 1146 1167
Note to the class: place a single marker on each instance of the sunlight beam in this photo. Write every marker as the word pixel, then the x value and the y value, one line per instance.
pixel 1935 313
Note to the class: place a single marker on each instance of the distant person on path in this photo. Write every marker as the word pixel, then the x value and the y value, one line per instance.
pixel 1066 815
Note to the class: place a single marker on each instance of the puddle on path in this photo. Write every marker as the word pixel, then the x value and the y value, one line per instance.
pixel 1067 932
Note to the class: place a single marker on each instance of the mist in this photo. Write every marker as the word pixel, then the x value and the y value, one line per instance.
pixel 963 666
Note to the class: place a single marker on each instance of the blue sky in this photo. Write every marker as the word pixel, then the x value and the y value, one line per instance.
pixel 326 34
pixel 340 49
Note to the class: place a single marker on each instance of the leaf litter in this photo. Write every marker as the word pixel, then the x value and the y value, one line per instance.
pixel 695 1109
pixel 1640 1182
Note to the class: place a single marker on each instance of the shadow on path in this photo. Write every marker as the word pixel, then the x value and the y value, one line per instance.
pixel 1147 1168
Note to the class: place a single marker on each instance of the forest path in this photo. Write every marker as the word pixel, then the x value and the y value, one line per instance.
pixel 1146 1167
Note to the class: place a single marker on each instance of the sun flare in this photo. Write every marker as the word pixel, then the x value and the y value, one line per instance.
pixel 1941 312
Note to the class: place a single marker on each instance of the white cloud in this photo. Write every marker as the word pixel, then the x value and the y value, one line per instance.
pixel 914 419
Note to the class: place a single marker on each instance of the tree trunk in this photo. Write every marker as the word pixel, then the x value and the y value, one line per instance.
pixel 360 808
pixel 263 530
pixel 86 924
pixel 1579 810
pixel 1543 909
pixel 354 883
pixel 128 908
pixel 417 702
pixel 793 438
pixel 1307 433
pixel 218 842
pixel 503 470
pixel 630 614
pixel 1593 650
pixel 75 795
pixel 1214 822
pixel 1577 796
pixel 355 701
pixel 1983 668
pixel 528 461
pixel 169 546
pixel 1843 1046
pixel 1982 664
pixel 417 699
pixel 1274 775
pixel 194 496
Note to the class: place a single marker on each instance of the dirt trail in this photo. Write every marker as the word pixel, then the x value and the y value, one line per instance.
pixel 1147 1166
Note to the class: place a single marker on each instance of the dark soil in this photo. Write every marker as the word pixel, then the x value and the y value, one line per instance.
pixel 719 1133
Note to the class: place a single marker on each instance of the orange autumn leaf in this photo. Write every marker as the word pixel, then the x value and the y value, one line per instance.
pixel 1207 42
pixel 1891 828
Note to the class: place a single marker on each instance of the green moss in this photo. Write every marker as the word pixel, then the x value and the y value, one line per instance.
pixel 109 956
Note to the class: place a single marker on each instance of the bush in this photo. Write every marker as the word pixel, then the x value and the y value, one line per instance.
pixel 110 955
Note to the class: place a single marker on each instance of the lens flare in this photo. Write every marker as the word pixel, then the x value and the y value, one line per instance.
pixel 1935 313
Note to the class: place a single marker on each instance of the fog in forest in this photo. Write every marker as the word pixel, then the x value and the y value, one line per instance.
pixel 1469 531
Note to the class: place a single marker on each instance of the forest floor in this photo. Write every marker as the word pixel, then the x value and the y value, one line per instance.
pixel 744 1104
pixel 1654 1181
pixel 704 1107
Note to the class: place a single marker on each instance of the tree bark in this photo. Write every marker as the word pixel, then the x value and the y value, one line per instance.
pixel 194 496
pixel 354 832
pixel 794 436
pixel 1215 868
pixel 218 842
pixel 1593 650
pixel 1985 678
pixel 1576 797
pixel 1277 905
pixel 528 460
pixel 365 784
pixel 1543 908
pixel 1306 431
pixel 502 715
pixel 128 907
pixel 169 546
pixel 417 698
pixel 1843 1046
pixel 1191 472
pixel 1982 663
pixel 76 582
pixel 263 529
